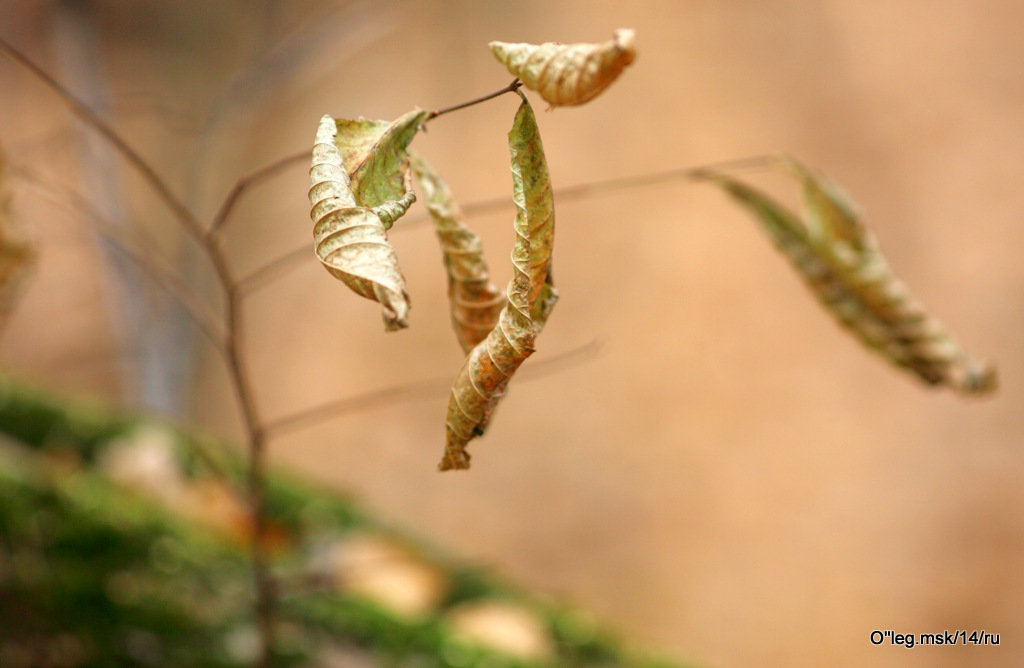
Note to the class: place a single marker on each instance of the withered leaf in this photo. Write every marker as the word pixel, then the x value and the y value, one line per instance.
pixel 568 74
pixel 350 237
pixel 375 156
pixel 482 380
pixel 840 261
pixel 475 301
pixel 17 253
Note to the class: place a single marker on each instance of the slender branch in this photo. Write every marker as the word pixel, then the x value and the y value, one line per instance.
pixel 584 190
pixel 290 260
pixel 266 595
pixel 233 341
pixel 247 182
pixel 89 117
pixel 273 168
pixel 410 391
pixel 516 83
pixel 275 268
pixel 166 280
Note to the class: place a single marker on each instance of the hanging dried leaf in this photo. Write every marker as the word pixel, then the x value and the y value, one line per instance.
pixel 350 239
pixel 484 376
pixel 841 262
pixel 568 74
pixel 375 157
pixel 16 252
pixel 475 301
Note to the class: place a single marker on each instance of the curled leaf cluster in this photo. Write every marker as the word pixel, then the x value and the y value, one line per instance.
pixel 362 178
pixel 361 183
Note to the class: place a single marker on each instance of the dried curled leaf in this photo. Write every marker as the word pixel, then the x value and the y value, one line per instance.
pixel 16 252
pixel 475 301
pixel 568 74
pixel 350 237
pixel 375 157
pixel 840 260
pixel 482 380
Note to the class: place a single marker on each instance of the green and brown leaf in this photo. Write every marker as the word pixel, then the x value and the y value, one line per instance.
pixel 568 74
pixel 840 261
pixel 490 365
pixel 360 185
pixel 475 301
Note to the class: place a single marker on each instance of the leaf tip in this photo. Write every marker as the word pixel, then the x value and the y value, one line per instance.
pixel 624 41
pixel 455 459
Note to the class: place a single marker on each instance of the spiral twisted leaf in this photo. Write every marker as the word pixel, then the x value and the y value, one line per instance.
pixel 350 237
pixel 16 252
pixel 840 261
pixel 568 74
pixel 375 158
pixel 475 301
pixel 485 374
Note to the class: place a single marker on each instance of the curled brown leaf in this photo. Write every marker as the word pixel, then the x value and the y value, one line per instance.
pixel 350 239
pixel 840 261
pixel 17 253
pixel 475 301
pixel 482 380
pixel 568 74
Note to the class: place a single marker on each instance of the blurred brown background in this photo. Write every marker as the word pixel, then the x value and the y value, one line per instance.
pixel 732 479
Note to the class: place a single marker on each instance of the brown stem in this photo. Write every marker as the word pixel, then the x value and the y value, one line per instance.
pixel 516 83
pixel 409 391
pixel 584 190
pixel 264 173
pixel 284 263
pixel 265 593
pixel 89 117
pixel 142 256
pixel 233 338
pixel 247 182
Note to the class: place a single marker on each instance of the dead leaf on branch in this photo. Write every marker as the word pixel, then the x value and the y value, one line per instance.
pixel 475 301
pixel 568 74
pixel 376 159
pixel 482 380
pixel 840 261
pixel 360 185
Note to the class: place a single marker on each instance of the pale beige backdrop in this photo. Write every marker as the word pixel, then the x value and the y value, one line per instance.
pixel 732 479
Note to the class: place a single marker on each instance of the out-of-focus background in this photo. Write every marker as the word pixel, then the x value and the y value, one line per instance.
pixel 732 478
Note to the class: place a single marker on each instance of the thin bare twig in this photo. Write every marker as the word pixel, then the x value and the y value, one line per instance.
pixel 248 181
pixel 273 168
pixel 279 266
pixel 234 337
pixel 89 117
pixel 514 86
pixel 410 391
pixel 266 595
pixel 166 280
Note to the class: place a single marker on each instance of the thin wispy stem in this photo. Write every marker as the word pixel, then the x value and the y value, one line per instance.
pixel 90 118
pixel 141 255
pixel 248 181
pixel 314 415
pixel 514 86
pixel 233 342
pixel 288 261
pixel 271 170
